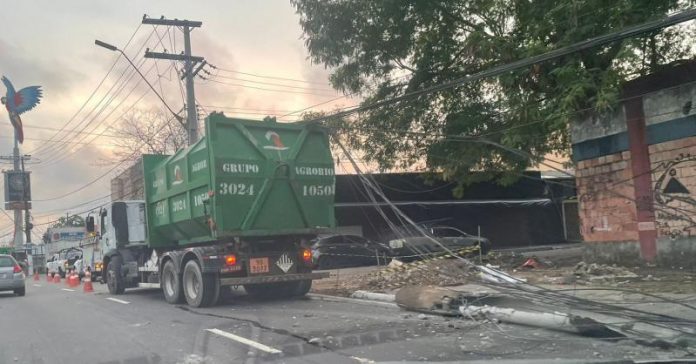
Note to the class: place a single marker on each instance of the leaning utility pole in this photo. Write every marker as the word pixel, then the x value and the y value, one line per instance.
pixel 189 73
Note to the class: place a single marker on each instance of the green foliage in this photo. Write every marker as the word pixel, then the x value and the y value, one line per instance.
pixel 383 49
pixel 71 221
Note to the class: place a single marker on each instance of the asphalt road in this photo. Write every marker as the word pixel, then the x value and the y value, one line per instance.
pixel 54 325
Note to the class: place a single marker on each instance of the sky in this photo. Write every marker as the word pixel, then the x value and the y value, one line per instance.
pixel 51 43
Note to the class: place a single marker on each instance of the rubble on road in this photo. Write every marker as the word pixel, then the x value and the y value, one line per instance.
pixel 444 272
pixel 598 272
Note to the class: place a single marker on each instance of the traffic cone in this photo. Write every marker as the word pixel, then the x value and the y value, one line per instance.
pixel 48 276
pixel 56 278
pixel 36 276
pixel 68 274
pixel 74 279
pixel 87 287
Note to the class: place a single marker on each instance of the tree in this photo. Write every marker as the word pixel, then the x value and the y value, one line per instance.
pixel 148 132
pixel 69 221
pixel 384 49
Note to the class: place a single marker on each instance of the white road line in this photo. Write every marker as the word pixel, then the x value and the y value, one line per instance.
pixel 117 300
pixel 245 341
pixel 36 285
pixel 68 289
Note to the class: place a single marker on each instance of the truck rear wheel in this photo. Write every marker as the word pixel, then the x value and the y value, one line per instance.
pixel 114 279
pixel 171 284
pixel 200 290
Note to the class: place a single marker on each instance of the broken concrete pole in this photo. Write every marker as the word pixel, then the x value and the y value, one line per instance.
pixel 365 295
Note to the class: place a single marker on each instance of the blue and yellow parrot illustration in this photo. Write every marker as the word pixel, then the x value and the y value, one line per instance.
pixel 18 102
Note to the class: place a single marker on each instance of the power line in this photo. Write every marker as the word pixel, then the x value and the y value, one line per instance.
pixel 628 32
pixel 266 76
pixel 260 88
pixel 119 85
pixel 109 126
pixel 265 83
pixel 94 118
pixel 95 91
pixel 97 88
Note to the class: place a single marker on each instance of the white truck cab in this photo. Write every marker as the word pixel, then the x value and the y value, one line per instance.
pixel 122 222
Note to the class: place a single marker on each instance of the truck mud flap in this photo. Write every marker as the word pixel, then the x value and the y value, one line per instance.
pixel 272 279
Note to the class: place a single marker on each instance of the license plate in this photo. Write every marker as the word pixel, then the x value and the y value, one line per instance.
pixel 258 265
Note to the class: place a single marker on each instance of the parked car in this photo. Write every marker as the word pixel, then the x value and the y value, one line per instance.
pixel 410 244
pixel 11 275
pixel 343 251
pixel 63 261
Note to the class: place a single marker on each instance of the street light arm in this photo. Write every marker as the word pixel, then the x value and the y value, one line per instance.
pixel 114 48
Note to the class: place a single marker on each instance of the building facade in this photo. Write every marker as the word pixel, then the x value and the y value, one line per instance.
pixel 636 172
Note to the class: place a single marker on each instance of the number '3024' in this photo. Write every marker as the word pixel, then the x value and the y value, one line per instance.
pixel 236 189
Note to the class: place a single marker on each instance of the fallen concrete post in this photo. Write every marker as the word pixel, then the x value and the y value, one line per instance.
pixel 365 295
pixel 552 321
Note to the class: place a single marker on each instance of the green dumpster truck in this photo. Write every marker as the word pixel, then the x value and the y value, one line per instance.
pixel 237 208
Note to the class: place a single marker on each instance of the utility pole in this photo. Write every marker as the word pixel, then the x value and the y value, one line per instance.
pixel 17 181
pixel 17 213
pixel 27 216
pixel 189 63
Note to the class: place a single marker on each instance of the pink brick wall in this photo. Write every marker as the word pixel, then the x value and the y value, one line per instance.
pixel 607 200
pixel 605 190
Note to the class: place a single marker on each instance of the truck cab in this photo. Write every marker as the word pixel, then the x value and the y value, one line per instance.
pixel 122 223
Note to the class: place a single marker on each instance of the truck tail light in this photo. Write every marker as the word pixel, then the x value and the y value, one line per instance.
pixel 17 269
pixel 230 260
pixel 306 255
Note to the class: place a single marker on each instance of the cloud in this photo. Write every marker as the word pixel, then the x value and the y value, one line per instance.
pixel 51 73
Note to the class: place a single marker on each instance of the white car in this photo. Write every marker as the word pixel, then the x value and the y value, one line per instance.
pixel 63 261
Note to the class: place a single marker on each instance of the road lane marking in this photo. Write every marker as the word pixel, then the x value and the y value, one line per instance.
pixel 36 285
pixel 245 341
pixel 68 289
pixel 117 300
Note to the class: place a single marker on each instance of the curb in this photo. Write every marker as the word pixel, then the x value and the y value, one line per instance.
pixel 323 297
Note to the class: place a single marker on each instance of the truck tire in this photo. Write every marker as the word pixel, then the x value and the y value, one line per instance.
pixel 302 287
pixel 199 289
pixel 114 278
pixel 171 284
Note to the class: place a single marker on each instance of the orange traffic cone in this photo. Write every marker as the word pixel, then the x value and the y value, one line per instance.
pixel 87 287
pixel 68 274
pixel 48 276
pixel 36 276
pixel 74 279
pixel 56 277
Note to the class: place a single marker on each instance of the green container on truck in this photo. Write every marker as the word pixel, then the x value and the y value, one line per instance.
pixel 238 207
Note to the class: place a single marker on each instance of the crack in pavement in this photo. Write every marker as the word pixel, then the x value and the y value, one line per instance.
pixel 274 330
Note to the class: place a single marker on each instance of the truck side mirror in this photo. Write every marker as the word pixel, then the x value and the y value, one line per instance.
pixel 89 223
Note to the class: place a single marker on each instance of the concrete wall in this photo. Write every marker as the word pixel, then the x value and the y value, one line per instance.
pixel 605 177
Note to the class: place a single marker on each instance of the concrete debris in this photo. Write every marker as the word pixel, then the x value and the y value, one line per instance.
pixel 422 317
pixel 428 299
pixel 314 340
pixel 395 263
pixel 444 272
